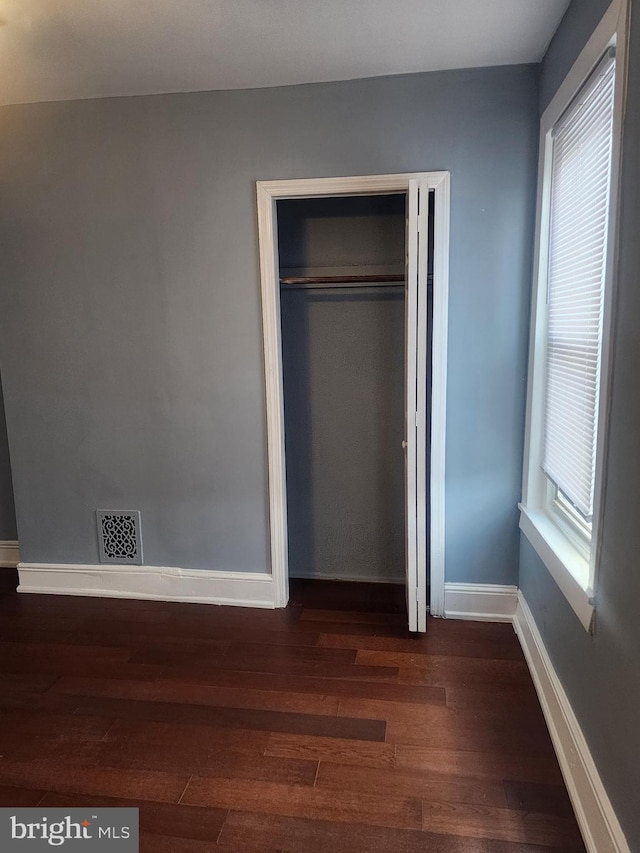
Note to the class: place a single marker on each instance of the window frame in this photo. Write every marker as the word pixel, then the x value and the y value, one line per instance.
pixel 557 540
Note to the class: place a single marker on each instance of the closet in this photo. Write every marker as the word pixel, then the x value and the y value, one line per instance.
pixel 342 304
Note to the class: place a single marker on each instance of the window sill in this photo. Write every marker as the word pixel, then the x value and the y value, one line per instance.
pixel 563 560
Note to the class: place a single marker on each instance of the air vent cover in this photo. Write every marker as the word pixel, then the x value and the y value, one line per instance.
pixel 119 536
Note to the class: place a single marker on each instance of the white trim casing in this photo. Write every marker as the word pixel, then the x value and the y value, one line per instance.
pixel 9 554
pixel 480 602
pixel 541 532
pixel 598 823
pixel 164 583
pixel 439 345
pixel 272 341
pixel 268 192
pixel 415 488
pixel 423 380
pixel 563 559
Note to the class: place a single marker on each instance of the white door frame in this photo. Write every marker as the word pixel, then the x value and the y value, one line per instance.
pixel 268 193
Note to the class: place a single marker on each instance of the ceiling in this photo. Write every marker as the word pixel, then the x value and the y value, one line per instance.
pixel 67 49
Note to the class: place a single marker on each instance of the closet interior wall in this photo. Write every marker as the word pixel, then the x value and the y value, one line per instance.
pixel 8 532
pixel 343 374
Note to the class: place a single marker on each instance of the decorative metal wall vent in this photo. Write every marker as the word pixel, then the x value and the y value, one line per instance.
pixel 119 537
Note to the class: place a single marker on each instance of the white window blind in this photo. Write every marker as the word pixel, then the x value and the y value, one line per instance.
pixel 580 181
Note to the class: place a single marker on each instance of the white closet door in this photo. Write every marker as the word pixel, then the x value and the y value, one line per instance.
pixel 415 443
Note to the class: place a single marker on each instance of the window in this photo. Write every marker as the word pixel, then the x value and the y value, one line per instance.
pixel 579 206
pixel 569 353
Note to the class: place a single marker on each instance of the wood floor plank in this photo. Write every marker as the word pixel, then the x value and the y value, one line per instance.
pixel 271 721
pixel 70 750
pixel 66 666
pixel 152 843
pixel 462 630
pixel 485 765
pixel 307 684
pixel 24 606
pixel 26 681
pixel 536 797
pixel 341 751
pixel 450 638
pixel 354 617
pixel 284 652
pixel 372 642
pixel 69 727
pixel 18 798
pixel 410 783
pixel 214 638
pixel 212 623
pixel 297 801
pixel 223 847
pixel 17 702
pixel 60 653
pixel 493 647
pixel 217 623
pixel 164 690
pixel 502 825
pixel 295 834
pixel 168 844
pixel 45 627
pixel 107 781
pixel 447 670
pixel 469 735
pixel 159 819
pixel 359 629
pixel 443 727
pixel 185 667
pixel 512 697
pixel 184 736
pixel 219 763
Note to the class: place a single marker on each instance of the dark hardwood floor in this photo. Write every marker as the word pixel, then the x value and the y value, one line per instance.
pixel 323 727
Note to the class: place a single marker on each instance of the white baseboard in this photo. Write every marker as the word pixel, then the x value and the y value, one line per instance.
pixel 482 602
pixel 597 820
pixel 165 583
pixel 9 554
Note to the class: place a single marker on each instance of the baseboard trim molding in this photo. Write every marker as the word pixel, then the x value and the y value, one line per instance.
pixel 9 554
pixel 600 828
pixel 164 583
pixel 482 602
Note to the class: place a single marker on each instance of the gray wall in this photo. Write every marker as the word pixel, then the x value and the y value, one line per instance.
pixel 7 512
pixel 601 673
pixel 350 232
pixel 344 424
pixel 343 364
pixel 130 316
pixel 579 21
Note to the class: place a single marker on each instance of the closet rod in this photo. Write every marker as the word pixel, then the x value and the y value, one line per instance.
pixel 341 280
